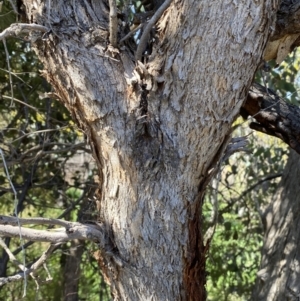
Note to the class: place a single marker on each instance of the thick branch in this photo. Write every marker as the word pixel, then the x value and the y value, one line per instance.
pixel 93 232
pixel 274 116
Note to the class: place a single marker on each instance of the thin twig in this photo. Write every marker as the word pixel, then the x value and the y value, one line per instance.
pixel 32 268
pixel 38 151
pixel 11 256
pixel 18 77
pixel 41 131
pixel 131 33
pixel 267 178
pixel 9 71
pixel 215 211
pixel 145 36
pixel 49 278
pixel 27 105
pixel 113 23
pixel 14 260
pixel 13 6
pixel 3 15
pixel 21 102
pixel 241 196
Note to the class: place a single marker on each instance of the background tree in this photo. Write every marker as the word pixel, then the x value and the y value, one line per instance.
pixel 279 274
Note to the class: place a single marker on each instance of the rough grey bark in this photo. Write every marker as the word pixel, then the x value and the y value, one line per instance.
pixel 279 275
pixel 157 130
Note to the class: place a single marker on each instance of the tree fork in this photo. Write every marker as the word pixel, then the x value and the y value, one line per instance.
pixel 152 165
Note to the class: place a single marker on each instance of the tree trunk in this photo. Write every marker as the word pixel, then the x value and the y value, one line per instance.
pixel 279 275
pixel 157 130
pixel 72 271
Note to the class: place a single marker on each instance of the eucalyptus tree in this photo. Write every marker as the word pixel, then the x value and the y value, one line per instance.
pixel 155 89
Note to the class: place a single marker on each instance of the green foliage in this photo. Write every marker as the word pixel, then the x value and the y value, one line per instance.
pixel 284 79
pixel 91 287
pixel 247 184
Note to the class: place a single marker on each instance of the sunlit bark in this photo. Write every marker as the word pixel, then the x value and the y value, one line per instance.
pixel 157 129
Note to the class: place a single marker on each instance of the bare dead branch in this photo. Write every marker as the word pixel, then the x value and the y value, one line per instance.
pixel 64 213
pixel 16 29
pixel 241 196
pixel 237 144
pixel 113 23
pixel 92 232
pixel 145 36
pixel 49 277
